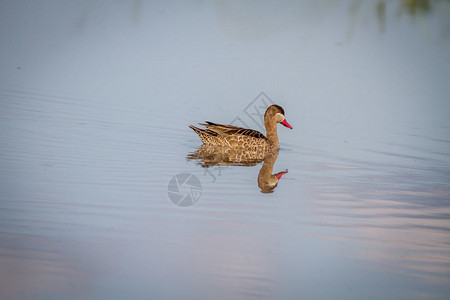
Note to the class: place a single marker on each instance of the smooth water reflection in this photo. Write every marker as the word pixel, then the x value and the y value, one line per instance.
pixel 95 103
pixel 403 228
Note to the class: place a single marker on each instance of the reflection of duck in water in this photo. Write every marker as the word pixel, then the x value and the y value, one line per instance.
pixel 266 181
pixel 245 139
pixel 224 156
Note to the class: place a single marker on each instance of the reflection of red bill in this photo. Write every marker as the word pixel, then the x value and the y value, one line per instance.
pixel 285 123
pixel 280 174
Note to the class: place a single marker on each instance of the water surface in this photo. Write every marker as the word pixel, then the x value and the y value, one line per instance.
pixel 96 99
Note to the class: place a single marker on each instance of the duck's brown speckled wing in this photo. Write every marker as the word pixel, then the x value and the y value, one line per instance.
pixel 232 136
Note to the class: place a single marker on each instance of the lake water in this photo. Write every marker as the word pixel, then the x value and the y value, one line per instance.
pixel 95 102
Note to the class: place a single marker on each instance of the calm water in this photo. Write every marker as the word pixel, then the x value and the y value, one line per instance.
pixel 95 102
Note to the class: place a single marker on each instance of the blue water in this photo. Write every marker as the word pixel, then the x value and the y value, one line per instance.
pixel 95 103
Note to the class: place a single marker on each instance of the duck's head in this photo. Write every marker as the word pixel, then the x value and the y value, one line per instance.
pixel 276 112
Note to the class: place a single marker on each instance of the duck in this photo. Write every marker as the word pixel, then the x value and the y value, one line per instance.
pixel 239 138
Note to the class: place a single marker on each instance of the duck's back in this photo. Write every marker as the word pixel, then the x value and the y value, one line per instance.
pixel 232 136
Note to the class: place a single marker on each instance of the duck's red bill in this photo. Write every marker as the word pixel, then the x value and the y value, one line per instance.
pixel 285 123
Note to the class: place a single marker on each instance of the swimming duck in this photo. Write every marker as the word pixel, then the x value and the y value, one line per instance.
pixel 245 139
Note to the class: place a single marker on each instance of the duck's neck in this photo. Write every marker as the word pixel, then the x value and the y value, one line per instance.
pixel 271 132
